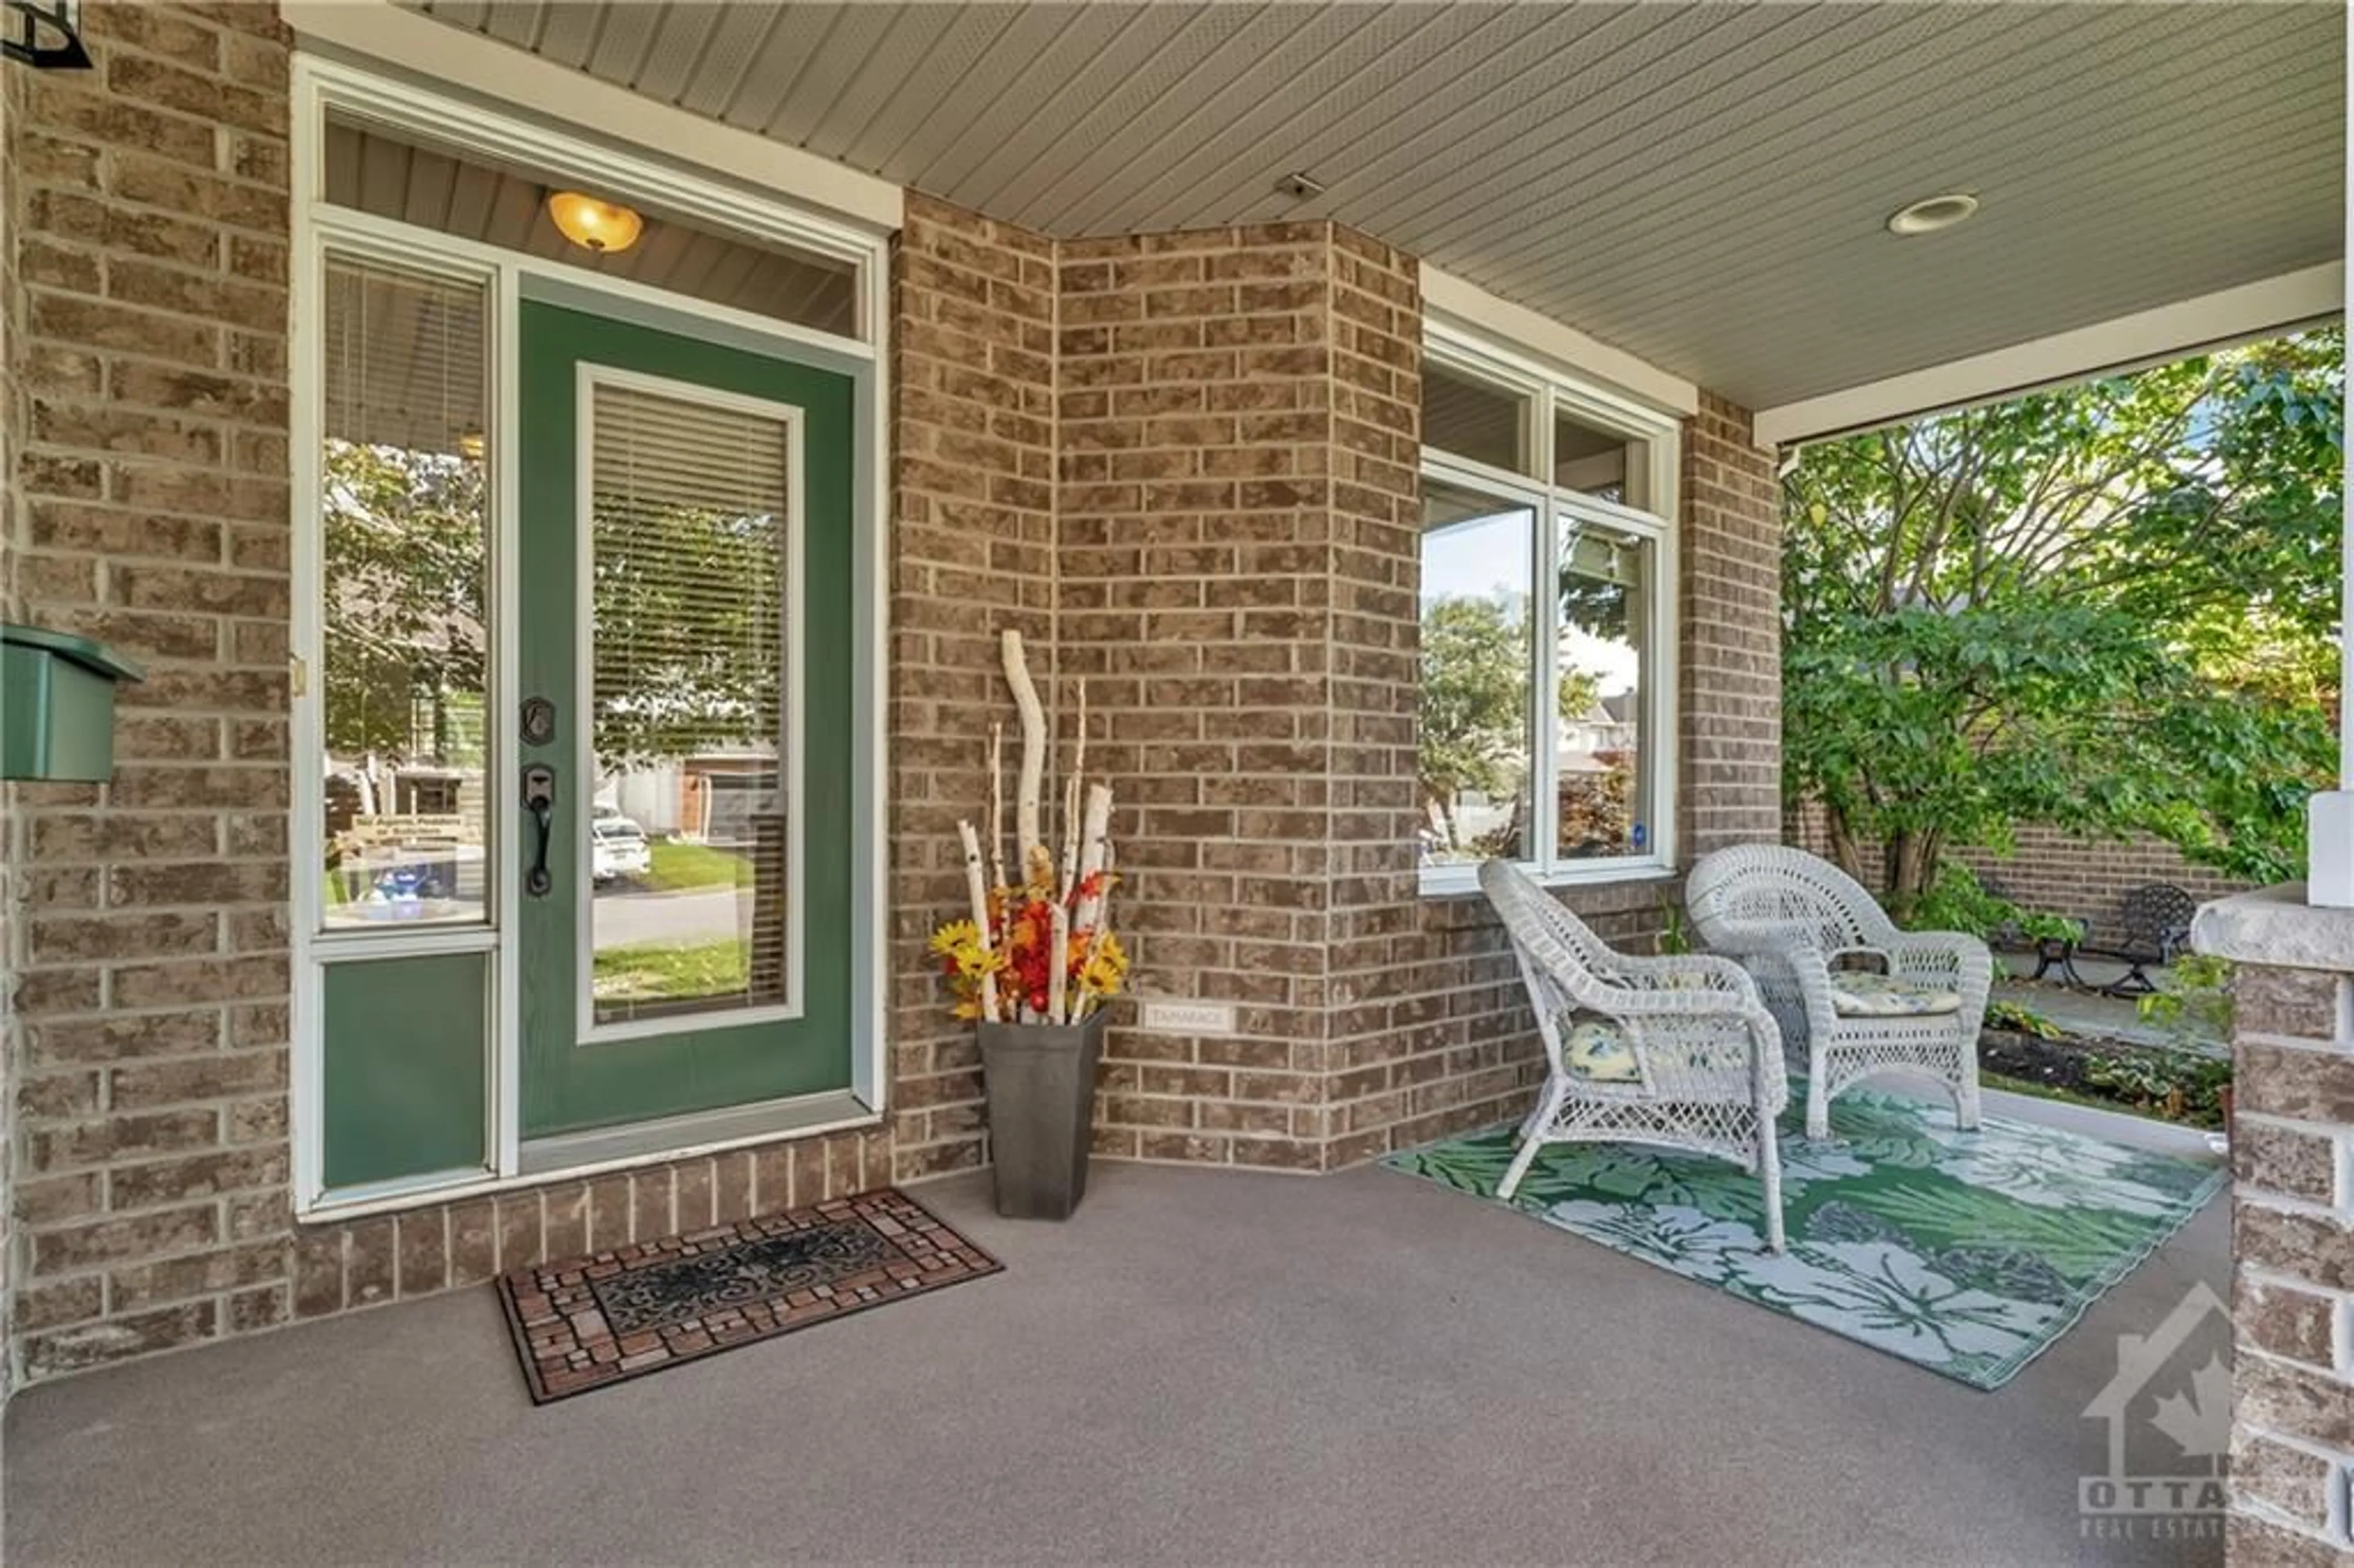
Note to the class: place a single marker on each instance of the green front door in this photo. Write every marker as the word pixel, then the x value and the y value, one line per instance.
pixel 685 587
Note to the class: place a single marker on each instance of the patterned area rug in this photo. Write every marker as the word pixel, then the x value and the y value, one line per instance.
pixel 1965 1253
pixel 585 1322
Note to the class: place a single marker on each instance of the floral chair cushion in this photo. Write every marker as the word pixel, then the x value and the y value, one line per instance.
pixel 1597 1049
pixel 1857 993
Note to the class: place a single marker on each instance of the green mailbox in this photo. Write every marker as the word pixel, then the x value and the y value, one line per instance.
pixel 57 704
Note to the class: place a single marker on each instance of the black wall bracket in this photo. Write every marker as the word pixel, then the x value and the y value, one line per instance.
pixel 44 33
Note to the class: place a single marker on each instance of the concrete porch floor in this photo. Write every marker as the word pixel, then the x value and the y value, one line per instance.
pixel 1203 1366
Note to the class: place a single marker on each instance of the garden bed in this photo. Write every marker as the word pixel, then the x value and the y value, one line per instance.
pixel 2112 1074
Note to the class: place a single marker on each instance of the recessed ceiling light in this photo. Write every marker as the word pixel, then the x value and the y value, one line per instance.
pixel 1931 214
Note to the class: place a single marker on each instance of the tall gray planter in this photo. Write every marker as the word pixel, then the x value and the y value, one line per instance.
pixel 1041 1080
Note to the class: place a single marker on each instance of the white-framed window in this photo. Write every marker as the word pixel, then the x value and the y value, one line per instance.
pixel 1548 608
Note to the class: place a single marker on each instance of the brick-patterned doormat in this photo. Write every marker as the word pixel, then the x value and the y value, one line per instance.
pixel 585 1322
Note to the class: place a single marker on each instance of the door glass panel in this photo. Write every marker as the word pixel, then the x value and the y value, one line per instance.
pixel 690 835
pixel 1602 762
pixel 1477 669
pixel 404 571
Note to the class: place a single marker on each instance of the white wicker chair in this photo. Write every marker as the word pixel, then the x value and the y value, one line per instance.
pixel 1787 914
pixel 1673 1051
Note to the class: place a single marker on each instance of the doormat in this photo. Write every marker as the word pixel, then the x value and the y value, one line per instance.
pixel 1965 1253
pixel 581 1323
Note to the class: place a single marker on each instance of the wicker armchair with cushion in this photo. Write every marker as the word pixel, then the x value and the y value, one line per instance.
pixel 1839 975
pixel 1679 1051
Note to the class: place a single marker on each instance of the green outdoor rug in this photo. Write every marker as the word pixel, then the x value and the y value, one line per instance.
pixel 1965 1253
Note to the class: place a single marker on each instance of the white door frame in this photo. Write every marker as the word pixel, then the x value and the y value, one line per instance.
pixel 321 85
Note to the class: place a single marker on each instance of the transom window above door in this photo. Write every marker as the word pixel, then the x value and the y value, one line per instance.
pixel 397 174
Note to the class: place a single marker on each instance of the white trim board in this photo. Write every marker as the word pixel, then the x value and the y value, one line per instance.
pixel 435 51
pixel 2123 343
pixel 1500 321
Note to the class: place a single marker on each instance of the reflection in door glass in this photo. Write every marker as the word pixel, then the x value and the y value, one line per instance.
pixel 404 569
pixel 689 833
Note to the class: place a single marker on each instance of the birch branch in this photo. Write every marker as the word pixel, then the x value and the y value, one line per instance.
pixel 1095 854
pixel 1071 800
pixel 972 876
pixel 1033 745
pixel 996 805
pixel 1059 965
pixel 1070 837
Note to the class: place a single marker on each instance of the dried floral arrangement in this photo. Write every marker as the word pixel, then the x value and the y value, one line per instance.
pixel 1038 949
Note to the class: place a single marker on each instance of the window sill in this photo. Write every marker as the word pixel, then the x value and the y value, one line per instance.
pixel 1463 881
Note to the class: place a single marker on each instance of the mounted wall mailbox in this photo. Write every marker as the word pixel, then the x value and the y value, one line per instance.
pixel 57 705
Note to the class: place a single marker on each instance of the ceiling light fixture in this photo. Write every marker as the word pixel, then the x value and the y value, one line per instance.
pixel 1931 214
pixel 604 226
pixel 1300 186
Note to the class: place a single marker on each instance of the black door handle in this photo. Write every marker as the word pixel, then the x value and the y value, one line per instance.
pixel 539 800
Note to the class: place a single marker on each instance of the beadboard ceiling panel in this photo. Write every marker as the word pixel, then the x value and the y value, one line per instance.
pixel 1703 186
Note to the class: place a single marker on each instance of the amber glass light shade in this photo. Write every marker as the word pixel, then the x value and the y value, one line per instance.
pixel 607 228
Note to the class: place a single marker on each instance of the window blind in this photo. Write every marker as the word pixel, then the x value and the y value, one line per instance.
pixel 690 558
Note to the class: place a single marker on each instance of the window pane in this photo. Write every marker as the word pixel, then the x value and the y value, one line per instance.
pixel 1473 419
pixel 1602 758
pixel 405 568
pixel 464 193
pixel 1476 673
pixel 1603 465
pixel 688 838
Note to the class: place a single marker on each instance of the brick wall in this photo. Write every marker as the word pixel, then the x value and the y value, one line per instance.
pixel 149 1027
pixel 2055 872
pixel 152 976
pixel 1728 789
pixel 1198 525
pixel 972 552
pixel 2293 1225
pixel 1183 464
pixel 1240 566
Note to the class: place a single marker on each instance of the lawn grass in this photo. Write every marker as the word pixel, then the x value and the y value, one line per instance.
pixel 679 865
pixel 655 971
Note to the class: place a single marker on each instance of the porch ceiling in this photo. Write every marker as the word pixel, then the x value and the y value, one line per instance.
pixel 1701 184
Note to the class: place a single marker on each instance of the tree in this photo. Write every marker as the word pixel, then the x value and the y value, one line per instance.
pixel 405 576
pixel 687 603
pixel 2107 607
pixel 1475 693
pixel 1477 669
